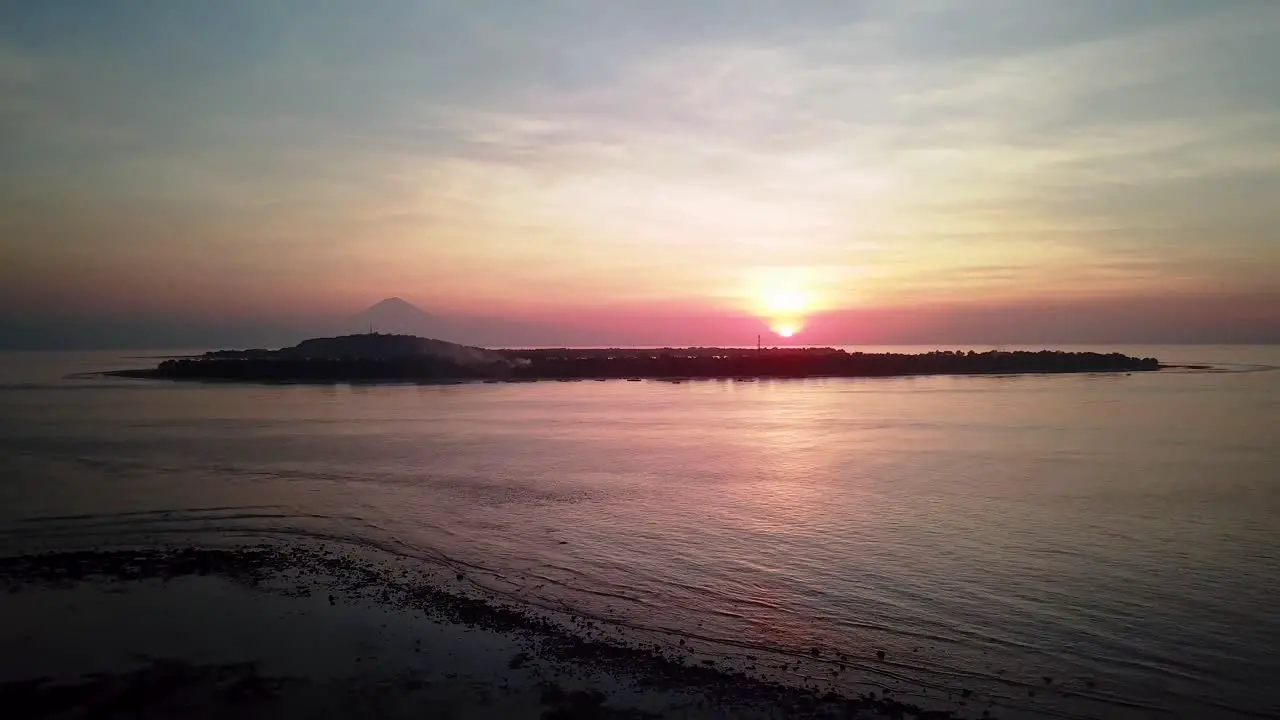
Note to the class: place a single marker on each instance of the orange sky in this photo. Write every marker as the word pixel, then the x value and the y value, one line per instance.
pixel 860 176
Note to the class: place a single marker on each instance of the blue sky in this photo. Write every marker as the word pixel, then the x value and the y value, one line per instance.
pixel 596 165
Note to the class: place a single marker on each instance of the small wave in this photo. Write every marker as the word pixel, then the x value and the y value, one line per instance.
pixel 121 384
pixel 585 590
pixel 1194 368
pixel 145 513
pixel 201 522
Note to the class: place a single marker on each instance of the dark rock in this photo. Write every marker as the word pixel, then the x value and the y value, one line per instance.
pixel 577 705
pixel 551 693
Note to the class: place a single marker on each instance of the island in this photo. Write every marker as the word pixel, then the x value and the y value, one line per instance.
pixel 376 357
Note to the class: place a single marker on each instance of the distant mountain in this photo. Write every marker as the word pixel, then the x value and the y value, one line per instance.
pixel 395 316
pixel 400 317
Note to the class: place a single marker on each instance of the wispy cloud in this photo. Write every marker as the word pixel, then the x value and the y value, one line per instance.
pixel 876 151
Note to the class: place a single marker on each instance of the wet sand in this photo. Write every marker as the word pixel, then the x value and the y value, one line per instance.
pixel 266 631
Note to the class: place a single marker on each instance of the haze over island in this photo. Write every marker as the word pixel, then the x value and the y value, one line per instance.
pixel 641 173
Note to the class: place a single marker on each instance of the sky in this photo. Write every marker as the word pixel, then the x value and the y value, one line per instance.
pixel 633 172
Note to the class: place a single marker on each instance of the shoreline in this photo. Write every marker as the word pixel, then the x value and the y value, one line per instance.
pixel 151 374
pixel 540 662
pixel 396 358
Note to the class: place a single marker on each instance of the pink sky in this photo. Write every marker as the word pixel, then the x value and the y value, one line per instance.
pixel 653 172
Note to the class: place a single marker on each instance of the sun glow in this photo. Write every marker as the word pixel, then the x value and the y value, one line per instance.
pixel 777 302
pixel 783 308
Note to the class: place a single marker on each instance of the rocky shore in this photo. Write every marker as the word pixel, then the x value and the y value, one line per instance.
pixel 324 632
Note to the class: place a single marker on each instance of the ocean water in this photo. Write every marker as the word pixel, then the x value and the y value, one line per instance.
pixel 1075 546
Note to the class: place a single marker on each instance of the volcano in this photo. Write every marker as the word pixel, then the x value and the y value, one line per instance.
pixel 396 316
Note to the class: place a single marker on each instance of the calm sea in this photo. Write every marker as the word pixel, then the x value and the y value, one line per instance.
pixel 1110 543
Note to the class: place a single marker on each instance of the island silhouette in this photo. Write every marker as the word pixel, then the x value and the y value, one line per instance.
pixel 383 357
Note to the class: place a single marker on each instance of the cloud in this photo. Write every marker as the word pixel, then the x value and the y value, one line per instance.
pixel 17 70
pixel 786 143
pixel 879 151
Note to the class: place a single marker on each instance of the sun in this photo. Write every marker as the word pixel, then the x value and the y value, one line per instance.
pixel 783 308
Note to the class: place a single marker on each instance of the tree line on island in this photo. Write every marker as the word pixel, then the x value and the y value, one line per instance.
pixel 378 357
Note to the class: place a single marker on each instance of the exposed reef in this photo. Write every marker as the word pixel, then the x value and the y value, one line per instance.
pixel 568 668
